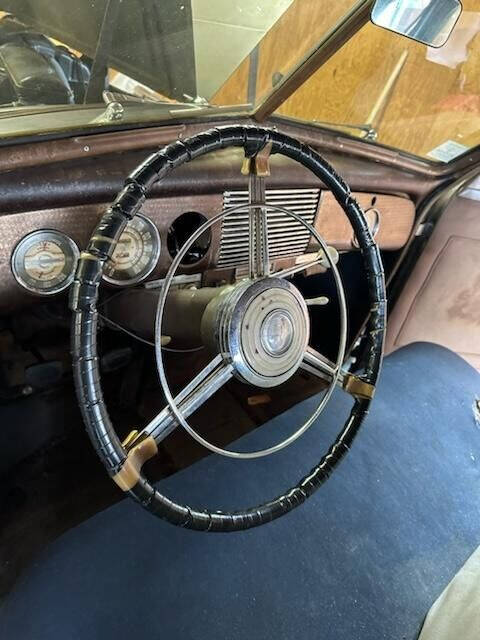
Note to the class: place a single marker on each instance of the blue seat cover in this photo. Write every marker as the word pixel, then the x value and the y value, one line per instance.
pixel 363 559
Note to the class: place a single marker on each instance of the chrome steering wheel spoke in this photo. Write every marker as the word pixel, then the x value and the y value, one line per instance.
pixel 210 379
pixel 320 366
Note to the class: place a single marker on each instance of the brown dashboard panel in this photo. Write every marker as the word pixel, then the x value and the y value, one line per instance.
pixel 75 222
pixel 78 222
pixel 396 216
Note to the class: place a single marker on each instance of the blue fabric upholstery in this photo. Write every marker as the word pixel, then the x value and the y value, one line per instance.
pixel 363 559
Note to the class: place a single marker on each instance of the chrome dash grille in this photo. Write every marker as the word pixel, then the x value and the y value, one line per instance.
pixel 286 236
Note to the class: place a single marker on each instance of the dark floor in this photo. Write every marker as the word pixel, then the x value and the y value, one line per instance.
pixel 62 483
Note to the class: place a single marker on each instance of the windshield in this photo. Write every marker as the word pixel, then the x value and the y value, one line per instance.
pixel 163 51
pixel 388 88
pixel 140 61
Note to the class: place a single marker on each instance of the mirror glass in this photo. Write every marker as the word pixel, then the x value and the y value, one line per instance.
pixel 428 21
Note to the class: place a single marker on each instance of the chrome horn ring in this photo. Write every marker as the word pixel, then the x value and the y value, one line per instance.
pixel 158 327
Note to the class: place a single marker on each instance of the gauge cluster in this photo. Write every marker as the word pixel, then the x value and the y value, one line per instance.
pixel 43 262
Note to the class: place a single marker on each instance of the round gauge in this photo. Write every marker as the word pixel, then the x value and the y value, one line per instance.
pixel 136 253
pixel 44 261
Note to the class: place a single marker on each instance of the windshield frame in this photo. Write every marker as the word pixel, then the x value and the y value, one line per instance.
pixel 327 46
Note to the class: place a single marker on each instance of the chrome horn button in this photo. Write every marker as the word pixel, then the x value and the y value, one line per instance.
pixel 276 333
pixel 263 329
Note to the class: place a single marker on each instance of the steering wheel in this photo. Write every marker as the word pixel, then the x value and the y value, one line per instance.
pixel 258 328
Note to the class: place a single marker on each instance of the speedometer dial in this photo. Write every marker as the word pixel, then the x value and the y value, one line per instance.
pixel 44 261
pixel 136 253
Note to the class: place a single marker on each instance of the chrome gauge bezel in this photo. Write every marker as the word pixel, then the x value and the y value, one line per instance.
pixel 59 238
pixel 152 261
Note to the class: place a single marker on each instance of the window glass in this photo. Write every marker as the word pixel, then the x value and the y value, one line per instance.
pixel 385 87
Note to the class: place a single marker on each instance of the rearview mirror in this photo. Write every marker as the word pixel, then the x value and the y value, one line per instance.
pixel 427 21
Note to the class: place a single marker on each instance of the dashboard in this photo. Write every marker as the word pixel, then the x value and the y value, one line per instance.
pixel 39 248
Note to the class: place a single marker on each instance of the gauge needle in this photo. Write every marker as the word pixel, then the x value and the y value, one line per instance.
pixel 42 261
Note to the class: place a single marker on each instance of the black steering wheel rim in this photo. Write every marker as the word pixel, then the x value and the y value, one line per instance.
pixel 84 295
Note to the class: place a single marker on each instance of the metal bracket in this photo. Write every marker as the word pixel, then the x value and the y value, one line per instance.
pixel 130 439
pixel 113 111
pixel 357 387
pixel 259 164
pixel 137 455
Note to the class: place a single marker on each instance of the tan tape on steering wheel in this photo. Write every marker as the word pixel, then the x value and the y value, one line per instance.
pixel 129 474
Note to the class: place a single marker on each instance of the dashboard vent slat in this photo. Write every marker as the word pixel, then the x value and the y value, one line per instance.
pixel 287 237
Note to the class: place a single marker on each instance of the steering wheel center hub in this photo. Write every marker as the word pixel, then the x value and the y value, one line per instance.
pixel 263 329
pixel 276 334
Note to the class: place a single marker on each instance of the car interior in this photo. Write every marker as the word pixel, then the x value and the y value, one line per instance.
pixel 240 319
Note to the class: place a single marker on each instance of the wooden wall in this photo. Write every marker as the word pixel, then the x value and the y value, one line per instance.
pixel 430 102
pixel 291 38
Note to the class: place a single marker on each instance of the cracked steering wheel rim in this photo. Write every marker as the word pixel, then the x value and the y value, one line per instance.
pixel 84 295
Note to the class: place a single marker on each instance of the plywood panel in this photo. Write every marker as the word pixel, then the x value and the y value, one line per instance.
pixel 224 34
pixel 430 102
pixel 290 39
